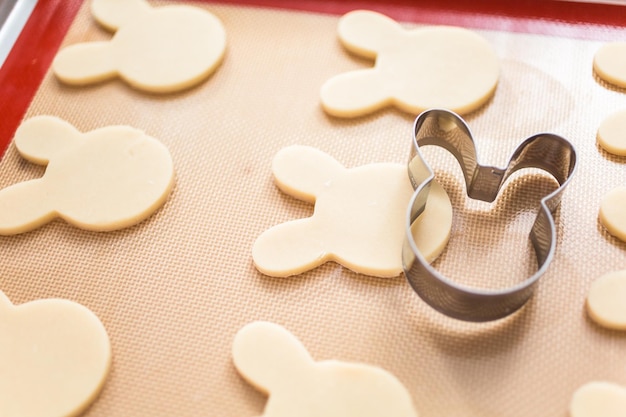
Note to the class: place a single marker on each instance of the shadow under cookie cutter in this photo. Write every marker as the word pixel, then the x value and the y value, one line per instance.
pixel 544 151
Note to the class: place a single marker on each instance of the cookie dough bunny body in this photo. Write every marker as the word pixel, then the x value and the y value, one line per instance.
pixel 106 179
pixel 275 362
pixel 160 50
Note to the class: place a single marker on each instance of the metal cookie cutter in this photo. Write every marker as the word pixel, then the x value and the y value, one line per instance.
pixel 545 151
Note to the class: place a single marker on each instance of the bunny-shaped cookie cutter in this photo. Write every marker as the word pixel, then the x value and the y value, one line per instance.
pixel 545 151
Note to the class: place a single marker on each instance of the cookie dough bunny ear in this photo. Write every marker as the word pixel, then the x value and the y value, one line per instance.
pixel 24 206
pixel 93 62
pixel 113 14
pixel 290 248
pixel 364 32
pixel 85 63
pixel 39 138
pixel 356 93
pixel 295 247
pixel 268 356
pixel 302 171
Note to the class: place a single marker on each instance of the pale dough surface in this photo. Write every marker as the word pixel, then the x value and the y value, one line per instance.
pixel 275 362
pixel 441 66
pixel 358 220
pixel 599 399
pixel 613 212
pixel 606 300
pixel 609 63
pixel 54 358
pixel 102 180
pixel 612 133
pixel 158 50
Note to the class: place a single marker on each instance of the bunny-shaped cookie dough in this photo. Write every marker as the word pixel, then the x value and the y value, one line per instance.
pixel 106 179
pixel 599 399
pixel 159 50
pixel 359 217
pixel 54 358
pixel 276 363
pixel 431 67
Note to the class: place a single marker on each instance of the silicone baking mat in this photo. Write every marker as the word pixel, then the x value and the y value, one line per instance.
pixel 173 290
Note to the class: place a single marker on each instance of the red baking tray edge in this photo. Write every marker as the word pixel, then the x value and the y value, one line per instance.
pixel 39 41
pixel 29 59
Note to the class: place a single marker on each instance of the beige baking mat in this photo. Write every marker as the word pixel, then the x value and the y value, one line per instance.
pixel 173 290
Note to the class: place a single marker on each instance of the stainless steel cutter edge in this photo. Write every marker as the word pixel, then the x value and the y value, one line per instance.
pixel 546 151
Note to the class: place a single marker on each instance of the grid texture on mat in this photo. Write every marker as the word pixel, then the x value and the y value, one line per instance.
pixel 173 290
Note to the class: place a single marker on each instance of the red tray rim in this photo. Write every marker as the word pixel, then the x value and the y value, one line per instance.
pixel 33 51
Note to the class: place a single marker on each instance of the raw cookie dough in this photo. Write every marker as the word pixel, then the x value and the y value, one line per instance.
pixel 612 133
pixel 358 221
pixel 105 179
pixel 432 67
pixel 158 50
pixel 54 358
pixel 613 212
pixel 276 363
pixel 599 399
pixel 606 301
pixel 610 63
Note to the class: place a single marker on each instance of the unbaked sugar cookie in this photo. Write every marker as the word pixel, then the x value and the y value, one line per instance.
pixel 611 134
pixel 358 220
pixel 430 67
pixel 599 399
pixel 609 63
pixel 606 300
pixel 106 179
pixel 613 212
pixel 159 50
pixel 276 363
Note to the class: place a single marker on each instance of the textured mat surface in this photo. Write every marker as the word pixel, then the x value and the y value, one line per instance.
pixel 173 290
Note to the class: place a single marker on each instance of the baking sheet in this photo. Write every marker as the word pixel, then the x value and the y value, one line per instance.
pixel 174 290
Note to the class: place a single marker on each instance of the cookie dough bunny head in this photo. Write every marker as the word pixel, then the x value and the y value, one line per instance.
pixel 431 67
pixel 275 362
pixel 160 50
pixel 106 179
pixel 358 221
pixel 54 358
